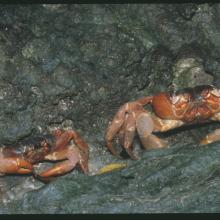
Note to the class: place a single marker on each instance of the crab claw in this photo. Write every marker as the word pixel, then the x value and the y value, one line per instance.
pixel 72 157
pixel 15 165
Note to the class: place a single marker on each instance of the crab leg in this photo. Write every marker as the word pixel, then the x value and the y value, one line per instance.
pixel 121 135
pixel 212 137
pixel 129 134
pixel 145 100
pixel 145 127
pixel 114 128
pixel 71 154
pixel 13 165
pixel 119 120
pixel 63 139
pixel 83 163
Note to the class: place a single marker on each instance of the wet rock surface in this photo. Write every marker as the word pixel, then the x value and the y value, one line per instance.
pixel 73 66
pixel 175 180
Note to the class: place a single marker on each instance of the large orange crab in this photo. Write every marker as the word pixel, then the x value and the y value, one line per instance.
pixel 53 147
pixel 170 110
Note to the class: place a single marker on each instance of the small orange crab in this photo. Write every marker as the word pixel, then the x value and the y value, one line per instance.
pixel 170 110
pixel 52 147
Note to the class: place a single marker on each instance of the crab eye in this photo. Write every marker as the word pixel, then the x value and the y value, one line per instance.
pixel 174 99
pixel 215 92
pixel 205 93
pixel 44 144
pixel 185 97
pixel 180 99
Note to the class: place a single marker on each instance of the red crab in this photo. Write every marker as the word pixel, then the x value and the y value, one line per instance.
pixel 52 147
pixel 170 110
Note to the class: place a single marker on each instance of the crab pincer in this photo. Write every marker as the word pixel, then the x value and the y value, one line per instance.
pixel 15 165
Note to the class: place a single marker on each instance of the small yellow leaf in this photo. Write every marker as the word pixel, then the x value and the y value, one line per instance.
pixel 112 167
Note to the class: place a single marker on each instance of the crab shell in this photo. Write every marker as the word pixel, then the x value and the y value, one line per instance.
pixel 189 105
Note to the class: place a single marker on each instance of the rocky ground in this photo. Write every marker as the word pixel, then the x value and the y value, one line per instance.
pixel 73 66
